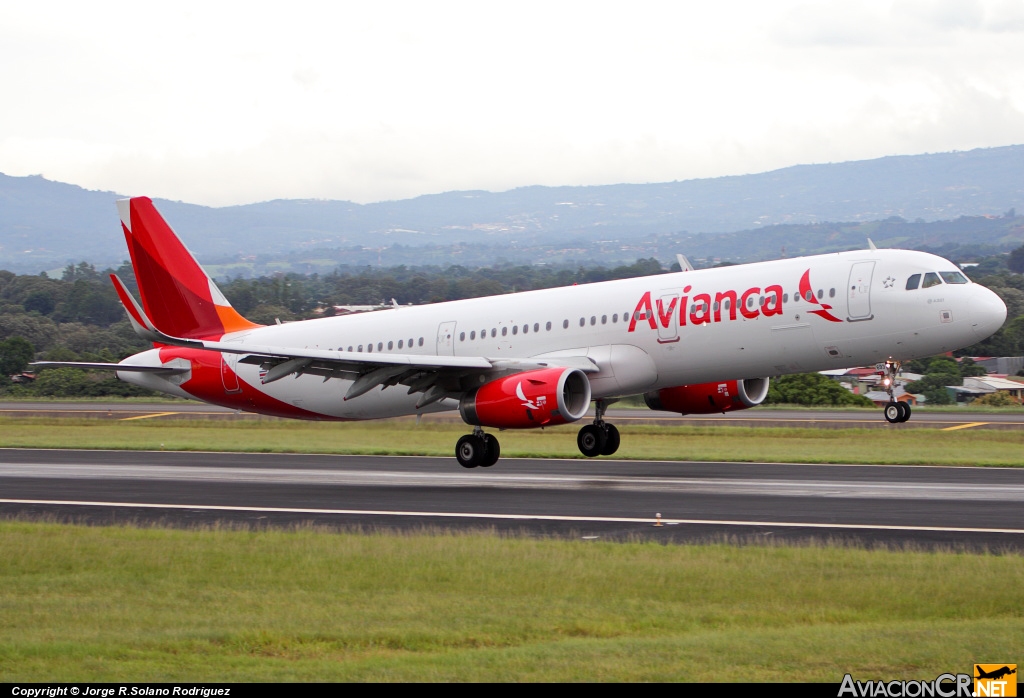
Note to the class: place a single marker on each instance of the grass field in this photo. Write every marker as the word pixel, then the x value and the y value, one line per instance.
pixel 131 604
pixel 897 446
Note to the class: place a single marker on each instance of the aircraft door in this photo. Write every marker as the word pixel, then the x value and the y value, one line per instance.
pixel 858 292
pixel 666 314
pixel 446 339
pixel 228 377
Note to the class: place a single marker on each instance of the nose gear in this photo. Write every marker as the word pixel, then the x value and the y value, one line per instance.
pixel 895 412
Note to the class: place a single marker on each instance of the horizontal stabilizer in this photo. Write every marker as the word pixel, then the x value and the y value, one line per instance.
pixel 95 366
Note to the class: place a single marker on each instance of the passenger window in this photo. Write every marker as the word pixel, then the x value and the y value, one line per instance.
pixel 380 346
pixel 400 343
pixel 515 329
pixel 821 294
pixel 593 319
pixel 526 329
pixel 494 332
pixel 831 293
pixel 809 296
pixel 548 326
pixel 462 336
pixel 953 277
pixel 504 331
pixel 931 279
pixel 536 326
pixel 369 347
pixel 913 282
pixel 583 322
pixel 785 298
pixel 350 349
pixel 410 342
pixel 360 348
pixel 615 318
pixel 472 336
pixel 421 341
pixel 391 345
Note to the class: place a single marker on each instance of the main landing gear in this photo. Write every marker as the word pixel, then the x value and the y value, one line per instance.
pixel 477 450
pixel 599 438
pixel 895 412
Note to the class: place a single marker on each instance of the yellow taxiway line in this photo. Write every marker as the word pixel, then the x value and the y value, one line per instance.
pixel 147 416
pixel 965 426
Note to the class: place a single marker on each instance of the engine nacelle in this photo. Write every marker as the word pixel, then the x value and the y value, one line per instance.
pixel 541 398
pixel 705 398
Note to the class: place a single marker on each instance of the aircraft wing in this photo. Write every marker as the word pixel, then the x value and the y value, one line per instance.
pixel 435 376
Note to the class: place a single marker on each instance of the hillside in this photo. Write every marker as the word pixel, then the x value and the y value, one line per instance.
pixel 46 224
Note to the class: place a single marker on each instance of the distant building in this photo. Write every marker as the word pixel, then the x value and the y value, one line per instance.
pixel 994 384
pixel 1001 364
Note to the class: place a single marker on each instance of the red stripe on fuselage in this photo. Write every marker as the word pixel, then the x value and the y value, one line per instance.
pixel 207 384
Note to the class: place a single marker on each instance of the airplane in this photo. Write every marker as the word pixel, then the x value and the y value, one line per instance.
pixel 995 673
pixel 692 342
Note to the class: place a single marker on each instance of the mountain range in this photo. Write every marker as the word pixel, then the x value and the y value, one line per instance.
pixel 46 224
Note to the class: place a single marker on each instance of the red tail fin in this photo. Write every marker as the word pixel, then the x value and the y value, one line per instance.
pixel 177 295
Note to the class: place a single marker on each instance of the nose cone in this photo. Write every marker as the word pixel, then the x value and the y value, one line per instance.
pixel 988 312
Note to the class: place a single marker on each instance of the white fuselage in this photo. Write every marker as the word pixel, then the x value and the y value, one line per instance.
pixel 652 332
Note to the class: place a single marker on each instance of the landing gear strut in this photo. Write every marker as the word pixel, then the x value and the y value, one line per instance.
pixel 895 412
pixel 477 450
pixel 599 438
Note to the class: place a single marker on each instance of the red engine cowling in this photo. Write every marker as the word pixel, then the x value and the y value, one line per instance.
pixel 705 398
pixel 541 398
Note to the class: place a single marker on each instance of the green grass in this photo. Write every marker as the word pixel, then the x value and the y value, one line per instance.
pixel 800 445
pixel 130 604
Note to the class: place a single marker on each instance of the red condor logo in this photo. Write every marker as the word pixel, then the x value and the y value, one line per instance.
pixel 702 310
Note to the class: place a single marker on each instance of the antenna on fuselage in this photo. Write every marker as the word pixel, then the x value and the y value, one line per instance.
pixel 684 263
pixel 871 245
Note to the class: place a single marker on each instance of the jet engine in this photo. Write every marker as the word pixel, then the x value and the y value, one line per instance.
pixel 540 398
pixel 705 398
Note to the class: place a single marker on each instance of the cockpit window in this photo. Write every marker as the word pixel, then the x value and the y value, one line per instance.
pixel 931 279
pixel 913 282
pixel 953 277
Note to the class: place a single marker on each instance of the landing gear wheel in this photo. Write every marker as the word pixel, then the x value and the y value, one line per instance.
pixel 591 440
pixel 611 444
pixel 470 451
pixel 904 410
pixel 893 413
pixel 493 450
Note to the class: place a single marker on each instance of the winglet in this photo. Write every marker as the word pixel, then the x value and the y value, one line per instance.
pixel 871 245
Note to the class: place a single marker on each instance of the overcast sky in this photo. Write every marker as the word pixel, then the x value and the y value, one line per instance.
pixel 226 103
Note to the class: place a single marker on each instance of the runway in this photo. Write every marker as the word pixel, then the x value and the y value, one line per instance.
pixel 758 417
pixel 604 499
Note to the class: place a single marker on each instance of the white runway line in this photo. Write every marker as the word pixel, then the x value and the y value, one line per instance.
pixel 507 517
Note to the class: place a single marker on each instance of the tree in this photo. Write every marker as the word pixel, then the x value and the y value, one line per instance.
pixel 61 382
pixel 933 387
pixel 15 355
pixel 996 399
pixel 1016 260
pixel 812 389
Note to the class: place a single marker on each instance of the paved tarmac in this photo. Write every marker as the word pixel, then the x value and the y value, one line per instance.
pixel 761 417
pixel 917 506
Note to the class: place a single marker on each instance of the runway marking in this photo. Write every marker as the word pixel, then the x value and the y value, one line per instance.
pixel 965 426
pixel 993 492
pixel 148 416
pixel 507 517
